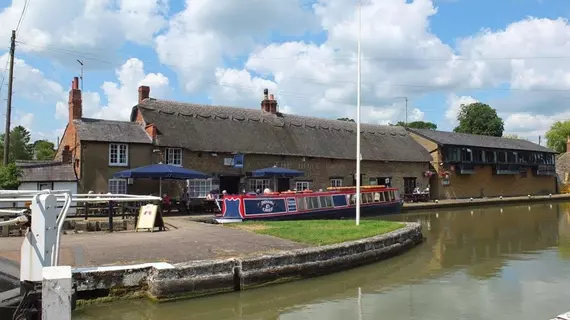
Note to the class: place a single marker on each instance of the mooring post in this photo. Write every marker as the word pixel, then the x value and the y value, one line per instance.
pixel 57 293
pixel 110 216
pixel 86 208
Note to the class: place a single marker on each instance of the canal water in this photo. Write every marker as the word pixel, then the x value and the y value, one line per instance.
pixel 490 263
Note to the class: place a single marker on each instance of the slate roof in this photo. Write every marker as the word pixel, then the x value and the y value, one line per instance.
pixel 46 171
pixel 473 140
pixel 110 131
pixel 231 129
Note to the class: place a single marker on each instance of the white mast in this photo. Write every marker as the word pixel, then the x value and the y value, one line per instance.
pixel 358 182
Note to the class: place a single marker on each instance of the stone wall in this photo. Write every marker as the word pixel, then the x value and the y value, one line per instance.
pixel 163 281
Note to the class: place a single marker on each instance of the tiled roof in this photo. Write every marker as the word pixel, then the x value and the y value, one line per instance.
pixel 473 140
pixel 46 171
pixel 231 129
pixel 110 131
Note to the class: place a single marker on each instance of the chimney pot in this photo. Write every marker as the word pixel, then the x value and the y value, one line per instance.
pixel 144 93
pixel 271 97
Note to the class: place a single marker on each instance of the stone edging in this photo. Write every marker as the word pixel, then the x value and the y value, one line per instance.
pixel 163 281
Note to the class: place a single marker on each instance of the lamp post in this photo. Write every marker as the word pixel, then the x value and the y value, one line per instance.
pixel 358 154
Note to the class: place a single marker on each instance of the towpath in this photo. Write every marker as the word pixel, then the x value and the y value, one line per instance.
pixel 186 240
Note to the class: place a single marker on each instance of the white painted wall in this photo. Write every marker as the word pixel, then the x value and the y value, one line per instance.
pixel 67 185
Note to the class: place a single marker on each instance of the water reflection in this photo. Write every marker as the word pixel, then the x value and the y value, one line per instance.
pixel 507 263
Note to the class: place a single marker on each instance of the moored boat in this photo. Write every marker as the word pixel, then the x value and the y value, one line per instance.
pixel 335 203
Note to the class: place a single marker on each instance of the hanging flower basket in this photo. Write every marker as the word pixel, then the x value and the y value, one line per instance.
pixel 444 174
pixel 428 173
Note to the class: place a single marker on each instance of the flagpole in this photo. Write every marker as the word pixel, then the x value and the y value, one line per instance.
pixel 358 182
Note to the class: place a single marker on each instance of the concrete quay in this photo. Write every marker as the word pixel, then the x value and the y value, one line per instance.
pixel 479 202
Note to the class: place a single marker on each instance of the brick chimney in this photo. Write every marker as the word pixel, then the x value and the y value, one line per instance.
pixel 144 93
pixel 75 101
pixel 268 104
pixel 66 155
pixel 151 130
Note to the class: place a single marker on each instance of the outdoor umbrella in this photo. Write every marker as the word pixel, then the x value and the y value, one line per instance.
pixel 161 171
pixel 275 172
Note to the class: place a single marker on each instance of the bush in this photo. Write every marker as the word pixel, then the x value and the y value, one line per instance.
pixel 10 177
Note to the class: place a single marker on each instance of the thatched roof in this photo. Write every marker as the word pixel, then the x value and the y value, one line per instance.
pixel 46 171
pixel 252 131
pixel 110 131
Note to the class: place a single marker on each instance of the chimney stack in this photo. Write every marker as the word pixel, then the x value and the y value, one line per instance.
pixel 75 101
pixel 269 104
pixel 66 155
pixel 144 93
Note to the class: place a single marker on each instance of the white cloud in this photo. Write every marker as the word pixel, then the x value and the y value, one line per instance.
pixel 454 103
pixel 199 37
pixel 96 27
pixel 121 96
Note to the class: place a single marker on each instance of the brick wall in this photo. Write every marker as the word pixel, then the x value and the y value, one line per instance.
pixel 70 139
pixel 485 183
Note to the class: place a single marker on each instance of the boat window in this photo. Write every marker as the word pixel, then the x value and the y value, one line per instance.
pixel 363 198
pixel 328 202
pixel 352 199
pixel 369 197
pixel 392 197
pixel 377 197
pixel 386 195
pixel 322 202
pixel 301 205
pixel 314 202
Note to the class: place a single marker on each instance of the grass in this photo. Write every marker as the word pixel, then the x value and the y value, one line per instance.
pixel 320 232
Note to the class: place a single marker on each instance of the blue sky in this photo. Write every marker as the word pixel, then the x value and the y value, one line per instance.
pixel 454 20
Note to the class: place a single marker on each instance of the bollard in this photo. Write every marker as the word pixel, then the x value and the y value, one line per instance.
pixel 57 293
pixel 86 208
pixel 110 216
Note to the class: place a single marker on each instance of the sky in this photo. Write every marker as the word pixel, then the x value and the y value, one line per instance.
pixel 511 54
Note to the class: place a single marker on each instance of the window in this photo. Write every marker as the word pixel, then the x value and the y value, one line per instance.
pixel 118 154
pixel 466 155
pixel 118 186
pixel 501 157
pixel 490 157
pixel 302 185
pixel 326 202
pixel 336 182
pixel 199 188
pixel 452 154
pixel 301 204
pixel 174 156
pixel 45 185
pixel 511 157
pixel 478 156
pixel 259 184
pixel 409 185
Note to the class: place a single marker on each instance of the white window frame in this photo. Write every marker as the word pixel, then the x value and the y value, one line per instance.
pixel 258 184
pixel 49 184
pixel 199 188
pixel 300 184
pixel 116 147
pixel 336 182
pixel 117 186
pixel 174 156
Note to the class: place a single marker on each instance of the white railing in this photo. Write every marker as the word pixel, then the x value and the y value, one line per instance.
pixel 61 195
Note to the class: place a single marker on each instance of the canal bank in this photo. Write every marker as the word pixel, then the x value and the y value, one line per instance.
pixel 164 281
pixel 474 264
pixel 482 202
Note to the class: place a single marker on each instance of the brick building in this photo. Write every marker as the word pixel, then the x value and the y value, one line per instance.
pixel 468 165
pixel 228 143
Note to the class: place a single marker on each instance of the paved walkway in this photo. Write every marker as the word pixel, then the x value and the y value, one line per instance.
pixel 186 240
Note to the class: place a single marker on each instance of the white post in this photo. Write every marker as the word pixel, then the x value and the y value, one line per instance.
pixel 358 117
pixel 57 292
pixel 40 241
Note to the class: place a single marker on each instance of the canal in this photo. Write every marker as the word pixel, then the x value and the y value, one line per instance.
pixel 490 263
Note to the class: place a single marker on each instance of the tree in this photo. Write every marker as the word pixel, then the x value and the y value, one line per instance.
pixel 513 136
pixel 20 146
pixel 479 118
pixel 44 150
pixel 346 119
pixel 557 136
pixel 418 125
pixel 10 177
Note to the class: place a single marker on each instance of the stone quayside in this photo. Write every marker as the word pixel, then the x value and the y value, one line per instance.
pixel 164 281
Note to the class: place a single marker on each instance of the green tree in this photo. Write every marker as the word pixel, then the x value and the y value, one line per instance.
pixel 10 177
pixel 513 136
pixel 20 146
pixel 44 150
pixel 479 118
pixel 557 136
pixel 346 119
pixel 418 125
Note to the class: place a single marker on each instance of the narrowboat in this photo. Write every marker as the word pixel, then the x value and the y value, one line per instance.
pixel 335 203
